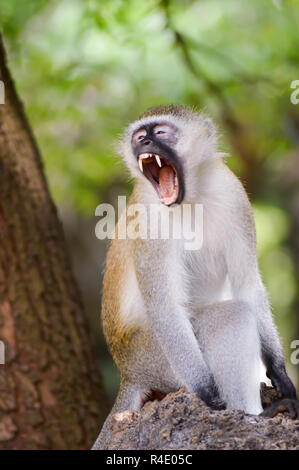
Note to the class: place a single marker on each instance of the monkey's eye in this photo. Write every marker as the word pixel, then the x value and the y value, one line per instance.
pixel 139 135
pixel 163 130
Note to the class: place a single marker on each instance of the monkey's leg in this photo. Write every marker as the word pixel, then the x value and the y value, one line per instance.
pixel 129 398
pixel 288 405
pixel 228 336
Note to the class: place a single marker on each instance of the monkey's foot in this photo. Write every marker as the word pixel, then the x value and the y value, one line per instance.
pixel 217 405
pixel 288 405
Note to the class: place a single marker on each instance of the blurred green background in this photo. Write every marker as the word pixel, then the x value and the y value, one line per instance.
pixel 85 68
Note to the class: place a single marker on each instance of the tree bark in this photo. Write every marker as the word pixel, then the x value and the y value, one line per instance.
pixel 51 393
pixel 181 421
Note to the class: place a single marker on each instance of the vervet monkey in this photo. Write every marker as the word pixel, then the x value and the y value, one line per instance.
pixel 196 319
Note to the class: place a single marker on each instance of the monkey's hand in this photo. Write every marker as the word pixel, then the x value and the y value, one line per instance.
pixel 210 396
pixel 288 405
pixel 281 382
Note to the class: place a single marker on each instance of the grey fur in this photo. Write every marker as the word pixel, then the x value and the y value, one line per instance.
pixel 188 328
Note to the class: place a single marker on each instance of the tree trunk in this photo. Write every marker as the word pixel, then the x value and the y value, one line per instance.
pixel 181 421
pixel 51 394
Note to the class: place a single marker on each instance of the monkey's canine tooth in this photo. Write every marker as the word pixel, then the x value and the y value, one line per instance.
pixel 140 165
pixel 158 160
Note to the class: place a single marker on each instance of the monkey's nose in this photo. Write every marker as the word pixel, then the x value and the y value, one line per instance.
pixel 146 142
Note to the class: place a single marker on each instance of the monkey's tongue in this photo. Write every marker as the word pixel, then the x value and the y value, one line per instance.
pixel 167 181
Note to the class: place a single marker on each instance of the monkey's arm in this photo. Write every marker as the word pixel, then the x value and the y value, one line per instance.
pixel 272 353
pixel 271 349
pixel 247 285
pixel 159 276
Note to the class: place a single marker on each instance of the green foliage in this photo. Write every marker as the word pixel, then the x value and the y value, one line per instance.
pixel 85 68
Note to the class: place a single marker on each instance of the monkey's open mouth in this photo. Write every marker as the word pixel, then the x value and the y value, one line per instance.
pixel 162 175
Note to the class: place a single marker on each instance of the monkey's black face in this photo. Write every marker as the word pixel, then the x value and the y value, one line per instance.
pixel 152 146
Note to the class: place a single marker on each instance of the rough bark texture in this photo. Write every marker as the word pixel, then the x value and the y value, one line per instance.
pixel 182 421
pixel 51 393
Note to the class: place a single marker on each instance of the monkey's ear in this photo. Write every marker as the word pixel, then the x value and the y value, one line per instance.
pixel 211 129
